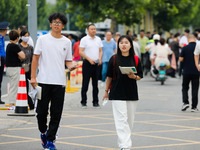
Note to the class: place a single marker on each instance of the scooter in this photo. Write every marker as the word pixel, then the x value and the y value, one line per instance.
pixel 161 76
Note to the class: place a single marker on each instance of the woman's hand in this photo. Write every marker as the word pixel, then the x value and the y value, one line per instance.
pixel 132 76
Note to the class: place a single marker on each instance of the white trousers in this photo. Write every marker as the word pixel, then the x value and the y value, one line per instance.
pixel 14 74
pixel 124 115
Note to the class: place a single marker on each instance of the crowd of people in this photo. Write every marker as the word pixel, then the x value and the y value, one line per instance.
pixel 53 52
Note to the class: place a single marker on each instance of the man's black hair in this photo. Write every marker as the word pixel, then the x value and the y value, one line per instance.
pixel 60 16
pixel 90 25
pixel 23 27
pixel 197 30
pixel 142 30
pixel 177 35
pixel 187 30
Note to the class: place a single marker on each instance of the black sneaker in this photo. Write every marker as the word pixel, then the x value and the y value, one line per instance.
pixel 185 107
pixel 1 102
pixel 96 105
pixel 84 106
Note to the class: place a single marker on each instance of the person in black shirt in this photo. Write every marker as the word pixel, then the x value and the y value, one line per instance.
pixel 13 64
pixel 190 74
pixel 175 46
pixel 123 91
pixel 26 63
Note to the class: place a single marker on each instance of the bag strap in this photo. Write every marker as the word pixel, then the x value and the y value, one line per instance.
pixel 136 60
pixel 113 67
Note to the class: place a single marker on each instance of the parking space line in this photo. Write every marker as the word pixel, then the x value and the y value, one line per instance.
pixel 166 138
pixel 91 129
pixel 86 136
pixel 15 142
pixel 102 116
pixel 167 145
pixel 170 125
pixel 163 131
pixel 84 145
pixel 19 137
pixel 22 128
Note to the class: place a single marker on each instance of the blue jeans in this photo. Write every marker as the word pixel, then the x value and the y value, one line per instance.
pixel 104 71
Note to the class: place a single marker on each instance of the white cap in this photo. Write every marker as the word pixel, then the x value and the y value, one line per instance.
pixel 156 37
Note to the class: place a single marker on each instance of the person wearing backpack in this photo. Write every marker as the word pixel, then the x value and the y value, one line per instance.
pixel 123 90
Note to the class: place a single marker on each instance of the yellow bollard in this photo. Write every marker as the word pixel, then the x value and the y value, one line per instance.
pixel 68 88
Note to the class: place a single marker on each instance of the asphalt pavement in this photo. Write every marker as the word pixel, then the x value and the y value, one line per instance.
pixel 160 124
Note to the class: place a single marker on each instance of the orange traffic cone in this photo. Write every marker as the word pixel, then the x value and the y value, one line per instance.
pixel 21 107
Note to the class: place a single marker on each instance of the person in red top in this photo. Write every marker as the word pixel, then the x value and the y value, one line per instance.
pixel 76 54
pixel 75 48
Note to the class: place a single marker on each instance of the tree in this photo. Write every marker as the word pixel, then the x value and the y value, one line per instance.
pixel 170 14
pixel 41 14
pixel 14 12
pixel 125 12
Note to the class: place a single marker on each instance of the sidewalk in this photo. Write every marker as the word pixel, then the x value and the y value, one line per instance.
pixel 160 124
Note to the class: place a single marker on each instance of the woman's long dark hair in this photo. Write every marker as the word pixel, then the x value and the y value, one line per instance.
pixel 119 54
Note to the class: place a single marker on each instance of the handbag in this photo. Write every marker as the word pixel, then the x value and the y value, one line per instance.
pixel 26 66
pixel 173 62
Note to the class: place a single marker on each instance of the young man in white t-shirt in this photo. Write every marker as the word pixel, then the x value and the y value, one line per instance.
pixel 52 52
pixel 90 49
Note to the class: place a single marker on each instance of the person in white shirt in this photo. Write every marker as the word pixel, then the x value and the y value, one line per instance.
pixel 184 41
pixel 162 52
pixel 30 41
pixel 136 46
pixel 52 52
pixel 91 50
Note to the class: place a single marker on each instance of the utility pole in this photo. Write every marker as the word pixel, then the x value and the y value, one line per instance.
pixel 68 18
pixel 32 19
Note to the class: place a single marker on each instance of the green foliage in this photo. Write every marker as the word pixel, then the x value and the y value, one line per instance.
pixel 14 11
pixel 42 14
pixel 125 12
pixel 167 14
pixel 170 14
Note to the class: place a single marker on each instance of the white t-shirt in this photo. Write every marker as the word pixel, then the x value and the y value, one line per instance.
pixel 91 46
pixel 137 49
pixel 197 49
pixel 183 40
pixel 30 41
pixel 53 54
pixel 162 51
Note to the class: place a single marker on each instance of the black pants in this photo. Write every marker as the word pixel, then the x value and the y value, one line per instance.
pixel 89 71
pixel 55 94
pixel 195 87
pixel 1 72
